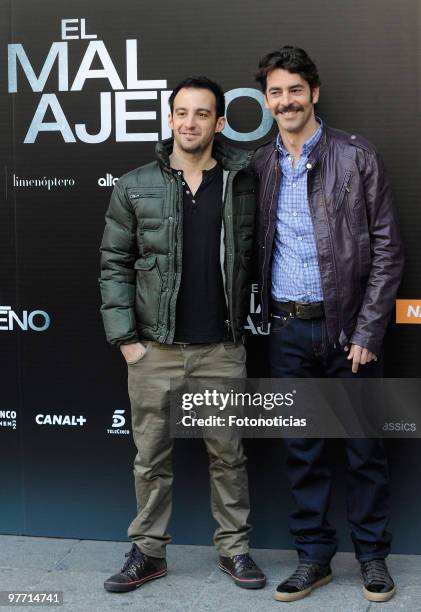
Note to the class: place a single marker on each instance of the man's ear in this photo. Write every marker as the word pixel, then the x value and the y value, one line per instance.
pixel 170 121
pixel 220 124
pixel 315 92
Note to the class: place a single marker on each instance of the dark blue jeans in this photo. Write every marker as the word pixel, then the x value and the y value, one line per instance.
pixel 299 348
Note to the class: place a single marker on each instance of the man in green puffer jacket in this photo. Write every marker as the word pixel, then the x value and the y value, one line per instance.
pixel 175 273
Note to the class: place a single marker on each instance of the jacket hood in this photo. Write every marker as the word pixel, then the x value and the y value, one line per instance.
pixel 229 157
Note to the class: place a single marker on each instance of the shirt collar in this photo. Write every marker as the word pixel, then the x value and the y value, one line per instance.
pixel 308 146
pixel 206 173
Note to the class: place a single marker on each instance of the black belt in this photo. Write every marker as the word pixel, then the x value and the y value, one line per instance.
pixel 298 309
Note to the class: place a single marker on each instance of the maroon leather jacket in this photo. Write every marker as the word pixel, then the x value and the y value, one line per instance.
pixel 356 231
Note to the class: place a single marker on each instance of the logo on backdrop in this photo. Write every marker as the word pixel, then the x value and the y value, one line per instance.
pixel 61 420
pixel 115 119
pixel 45 182
pixel 119 420
pixel 108 180
pixel 8 418
pixel 35 320
pixel 408 311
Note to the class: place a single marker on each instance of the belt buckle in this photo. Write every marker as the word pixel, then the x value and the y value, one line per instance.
pixel 300 310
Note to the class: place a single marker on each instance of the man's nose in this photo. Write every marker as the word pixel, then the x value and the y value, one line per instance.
pixel 286 98
pixel 190 120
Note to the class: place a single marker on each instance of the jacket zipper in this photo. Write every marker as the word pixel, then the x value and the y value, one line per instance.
pixel 228 226
pixel 267 232
pixel 322 183
pixel 178 218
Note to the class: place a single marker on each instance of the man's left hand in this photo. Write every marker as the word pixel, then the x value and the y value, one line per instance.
pixel 359 355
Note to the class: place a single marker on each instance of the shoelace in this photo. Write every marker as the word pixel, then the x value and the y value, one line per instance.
pixel 243 562
pixel 376 572
pixel 135 559
pixel 301 575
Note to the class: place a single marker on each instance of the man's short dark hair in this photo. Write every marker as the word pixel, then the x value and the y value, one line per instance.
pixel 293 59
pixel 201 82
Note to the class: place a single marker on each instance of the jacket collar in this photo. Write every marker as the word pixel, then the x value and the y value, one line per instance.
pixel 308 146
pixel 320 147
pixel 228 157
pixel 315 155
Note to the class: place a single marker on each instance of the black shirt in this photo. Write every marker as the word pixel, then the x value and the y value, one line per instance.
pixel 201 306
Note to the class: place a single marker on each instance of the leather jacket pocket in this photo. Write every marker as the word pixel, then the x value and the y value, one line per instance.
pixel 345 190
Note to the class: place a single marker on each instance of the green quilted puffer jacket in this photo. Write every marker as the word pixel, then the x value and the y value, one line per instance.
pixel 141 250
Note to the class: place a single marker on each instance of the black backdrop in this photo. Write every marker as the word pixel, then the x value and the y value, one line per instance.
pixel 74 480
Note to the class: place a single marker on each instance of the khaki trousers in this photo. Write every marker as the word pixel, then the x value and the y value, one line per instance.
pixel 149 387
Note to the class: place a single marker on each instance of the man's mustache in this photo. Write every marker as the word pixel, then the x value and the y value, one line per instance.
pixel 290 108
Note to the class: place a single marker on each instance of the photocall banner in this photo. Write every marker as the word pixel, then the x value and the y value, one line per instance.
pixel 84 94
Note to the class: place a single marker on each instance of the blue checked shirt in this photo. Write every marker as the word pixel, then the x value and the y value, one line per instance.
pixel 295 269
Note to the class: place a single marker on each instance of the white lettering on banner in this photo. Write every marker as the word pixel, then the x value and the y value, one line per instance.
pixel 107 72
pixel 8 418
pixel 49 101
pixel 112 108
pixel 254 309
pixel 11 424
pixel 118 432
pixel 37 320
pixel 108 181
pixel 60 419
pixel 65 28
pixel 43 182
pixel 17 52
pixel 122 116
pixel 415 311
pixel 106 126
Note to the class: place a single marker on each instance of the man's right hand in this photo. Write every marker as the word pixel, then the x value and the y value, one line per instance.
pixel 132 352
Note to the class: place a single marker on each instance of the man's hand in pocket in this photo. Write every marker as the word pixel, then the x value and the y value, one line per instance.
pixel 132 352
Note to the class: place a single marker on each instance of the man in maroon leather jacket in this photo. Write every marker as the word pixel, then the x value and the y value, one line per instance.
pixel 360 256
pixel 326 227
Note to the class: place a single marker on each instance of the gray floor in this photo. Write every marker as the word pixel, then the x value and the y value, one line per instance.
pixel 79 567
